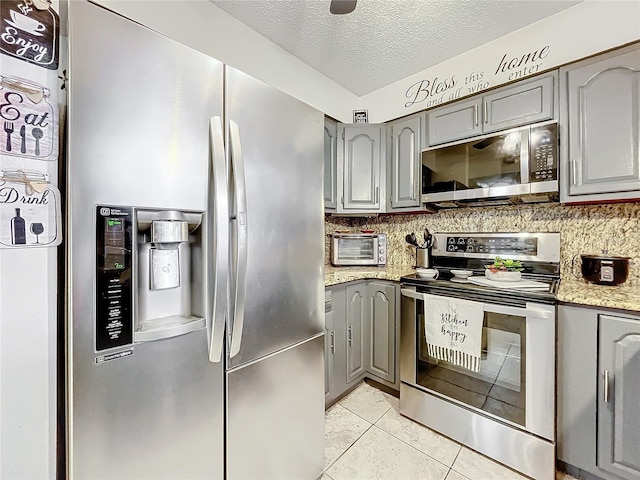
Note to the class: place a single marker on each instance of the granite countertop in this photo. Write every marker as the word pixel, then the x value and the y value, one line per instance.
pixel 336 275
pixel 578 292
pixel 623 296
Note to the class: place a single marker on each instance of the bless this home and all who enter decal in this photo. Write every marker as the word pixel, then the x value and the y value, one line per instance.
pixel 427 93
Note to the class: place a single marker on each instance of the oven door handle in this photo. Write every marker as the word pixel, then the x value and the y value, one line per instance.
pixel 519 312
pixel 407 292
pixel 493 308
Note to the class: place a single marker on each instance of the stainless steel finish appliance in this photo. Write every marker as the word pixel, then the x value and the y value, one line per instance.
pixel 190 353
pixel 506 409
pixel 517 165
pixel 358 249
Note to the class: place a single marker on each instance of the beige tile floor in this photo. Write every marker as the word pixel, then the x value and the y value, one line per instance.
pixel 367 438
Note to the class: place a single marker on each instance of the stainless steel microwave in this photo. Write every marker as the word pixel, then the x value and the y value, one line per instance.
pixel 358 249
pixel 519 163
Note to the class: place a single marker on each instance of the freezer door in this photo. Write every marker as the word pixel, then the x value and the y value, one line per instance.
pixel 139 115
pixel 276 155
pixel 275 415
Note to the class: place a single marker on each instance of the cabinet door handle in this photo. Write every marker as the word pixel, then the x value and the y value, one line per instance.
pixel 333 341
pixel 574 170
pixel 475 114
pixel 349 336
pixel 485 112
pixel 605 386
pixel 377 194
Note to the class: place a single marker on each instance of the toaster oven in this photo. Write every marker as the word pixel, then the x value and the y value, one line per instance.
pixel 358 249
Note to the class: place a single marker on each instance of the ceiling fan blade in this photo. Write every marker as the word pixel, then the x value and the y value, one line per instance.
pixel 340 7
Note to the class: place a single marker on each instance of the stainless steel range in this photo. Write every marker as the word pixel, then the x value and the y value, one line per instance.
pixel 501 403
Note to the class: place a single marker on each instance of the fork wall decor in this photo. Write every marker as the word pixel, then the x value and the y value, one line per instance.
pixel 28 122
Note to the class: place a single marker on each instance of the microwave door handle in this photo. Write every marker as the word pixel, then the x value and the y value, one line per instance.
pixel 524 156
pixel 218 241
pixel 240 190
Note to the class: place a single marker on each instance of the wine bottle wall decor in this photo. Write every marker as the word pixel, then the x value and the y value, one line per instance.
pixel 30 212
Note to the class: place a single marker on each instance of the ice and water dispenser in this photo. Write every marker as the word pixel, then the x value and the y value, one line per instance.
pixel 151 275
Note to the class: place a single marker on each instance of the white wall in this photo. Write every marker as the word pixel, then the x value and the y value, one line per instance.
pixel 582 30
pixel 28 363
pixel 205 27
pixel 28 327
pixel 585 29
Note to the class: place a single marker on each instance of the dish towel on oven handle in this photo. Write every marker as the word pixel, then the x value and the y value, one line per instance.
pixel 453 330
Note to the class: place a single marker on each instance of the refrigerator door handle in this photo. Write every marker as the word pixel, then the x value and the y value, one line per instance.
pixel 240 192
pixel 218 240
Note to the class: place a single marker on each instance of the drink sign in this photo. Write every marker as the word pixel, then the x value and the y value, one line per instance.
pixel 30 211
pixel 29 31
pixel 28 122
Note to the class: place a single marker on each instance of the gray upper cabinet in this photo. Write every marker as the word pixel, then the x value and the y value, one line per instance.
pixel 601 128
pixel 382 330
pixel 405 162
pixel 453 122
pixel 330 164
pixel 618 404
pixel 356 318
pixel 525 102
pixel 361 175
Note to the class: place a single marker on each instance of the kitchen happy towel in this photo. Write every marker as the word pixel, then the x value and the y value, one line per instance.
pixel 453 330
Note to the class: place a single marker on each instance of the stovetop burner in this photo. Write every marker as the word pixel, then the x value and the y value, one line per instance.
pixel 539 254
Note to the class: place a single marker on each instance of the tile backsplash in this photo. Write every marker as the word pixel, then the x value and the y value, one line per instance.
pixel 583 229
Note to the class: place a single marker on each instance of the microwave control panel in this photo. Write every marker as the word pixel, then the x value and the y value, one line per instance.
pixel 114 316
pixel 543 156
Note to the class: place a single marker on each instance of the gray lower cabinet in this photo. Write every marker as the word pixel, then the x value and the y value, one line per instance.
pixel 600 128
pixel 335 359
pixel 361 339
pixel 404 163
pixel 619 397
pixel 381 336
pixel 330 164
pixel 528 101
pixel 598 424
pixel 329 345
pixel 356 321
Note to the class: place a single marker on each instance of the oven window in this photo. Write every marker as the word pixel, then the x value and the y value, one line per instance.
pixel 356 249
pixel 499 387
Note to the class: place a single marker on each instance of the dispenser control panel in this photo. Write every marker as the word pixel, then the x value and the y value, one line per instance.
pixel 114 240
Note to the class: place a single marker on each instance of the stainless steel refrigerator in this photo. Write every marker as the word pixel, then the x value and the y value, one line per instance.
pixel 194 264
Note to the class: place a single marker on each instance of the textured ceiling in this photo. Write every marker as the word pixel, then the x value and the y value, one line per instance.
pixel 383 41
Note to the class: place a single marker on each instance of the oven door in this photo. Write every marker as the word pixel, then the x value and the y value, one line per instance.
pixel 516 381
